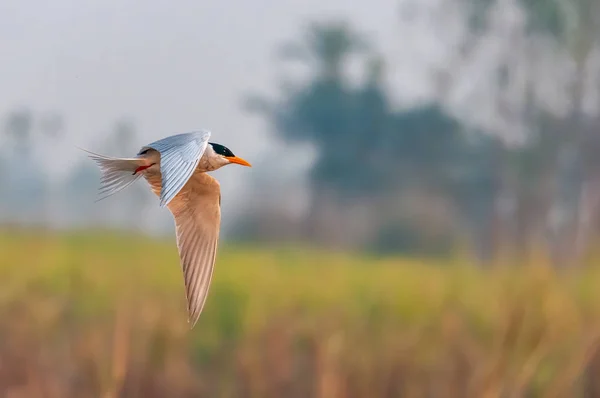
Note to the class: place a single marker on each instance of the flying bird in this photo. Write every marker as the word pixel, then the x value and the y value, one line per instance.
pixel 176 169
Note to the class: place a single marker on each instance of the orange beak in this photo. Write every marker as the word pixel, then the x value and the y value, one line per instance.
pixel 235 159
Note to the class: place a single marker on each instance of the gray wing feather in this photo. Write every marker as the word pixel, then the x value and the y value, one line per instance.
pixel 179 157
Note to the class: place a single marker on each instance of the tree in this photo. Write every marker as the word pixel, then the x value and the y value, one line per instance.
pixel 326 48
pixel 25 195
pixel 367 152
pixel 19 129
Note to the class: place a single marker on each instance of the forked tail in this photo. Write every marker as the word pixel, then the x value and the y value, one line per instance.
pixel 117 173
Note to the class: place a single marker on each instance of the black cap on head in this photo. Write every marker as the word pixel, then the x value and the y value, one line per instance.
pixel 222 150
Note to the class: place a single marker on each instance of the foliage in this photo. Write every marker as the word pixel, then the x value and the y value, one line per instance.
pixel 369 151
pixel 326 47
pixel 366 149
pixel 18 127
pixel 364 146
pixel 95 314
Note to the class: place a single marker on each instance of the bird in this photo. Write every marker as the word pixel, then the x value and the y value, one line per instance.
pixel 176 169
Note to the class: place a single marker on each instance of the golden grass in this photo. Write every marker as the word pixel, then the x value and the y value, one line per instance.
pixel 103 315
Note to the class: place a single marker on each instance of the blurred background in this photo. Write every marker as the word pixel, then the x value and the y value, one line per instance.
pixel 420 220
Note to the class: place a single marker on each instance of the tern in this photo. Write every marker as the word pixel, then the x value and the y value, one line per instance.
pixel 176 169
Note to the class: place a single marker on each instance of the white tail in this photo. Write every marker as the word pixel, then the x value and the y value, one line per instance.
pixel 117 173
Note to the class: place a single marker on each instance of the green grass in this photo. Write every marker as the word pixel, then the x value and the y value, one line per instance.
pixel 108 310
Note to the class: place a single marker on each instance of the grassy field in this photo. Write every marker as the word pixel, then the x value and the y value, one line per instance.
pixel 103 315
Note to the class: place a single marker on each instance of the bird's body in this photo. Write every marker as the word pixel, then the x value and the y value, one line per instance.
pixel 175 168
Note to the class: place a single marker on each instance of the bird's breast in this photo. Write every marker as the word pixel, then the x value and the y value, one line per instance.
pixel 155 182
pixel 206 164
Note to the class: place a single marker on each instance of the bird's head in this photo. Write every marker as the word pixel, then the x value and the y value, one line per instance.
pixel 223 156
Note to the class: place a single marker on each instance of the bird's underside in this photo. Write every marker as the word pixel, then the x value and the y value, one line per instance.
pixel 197 213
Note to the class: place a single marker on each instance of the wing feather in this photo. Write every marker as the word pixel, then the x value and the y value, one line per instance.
pixel 179 155
pixel 197 215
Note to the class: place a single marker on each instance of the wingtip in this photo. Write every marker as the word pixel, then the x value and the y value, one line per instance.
pixel 192 322
pixel 193 317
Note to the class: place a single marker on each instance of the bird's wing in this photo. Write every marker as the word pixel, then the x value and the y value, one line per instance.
pixel 179 157
pixel 197 214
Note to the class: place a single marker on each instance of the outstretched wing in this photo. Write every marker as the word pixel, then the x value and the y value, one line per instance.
pixel 197 215
pixel 179 157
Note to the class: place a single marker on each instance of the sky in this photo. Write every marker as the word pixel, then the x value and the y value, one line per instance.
pixel 173 69
pixel 170 69
pixel 176 69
